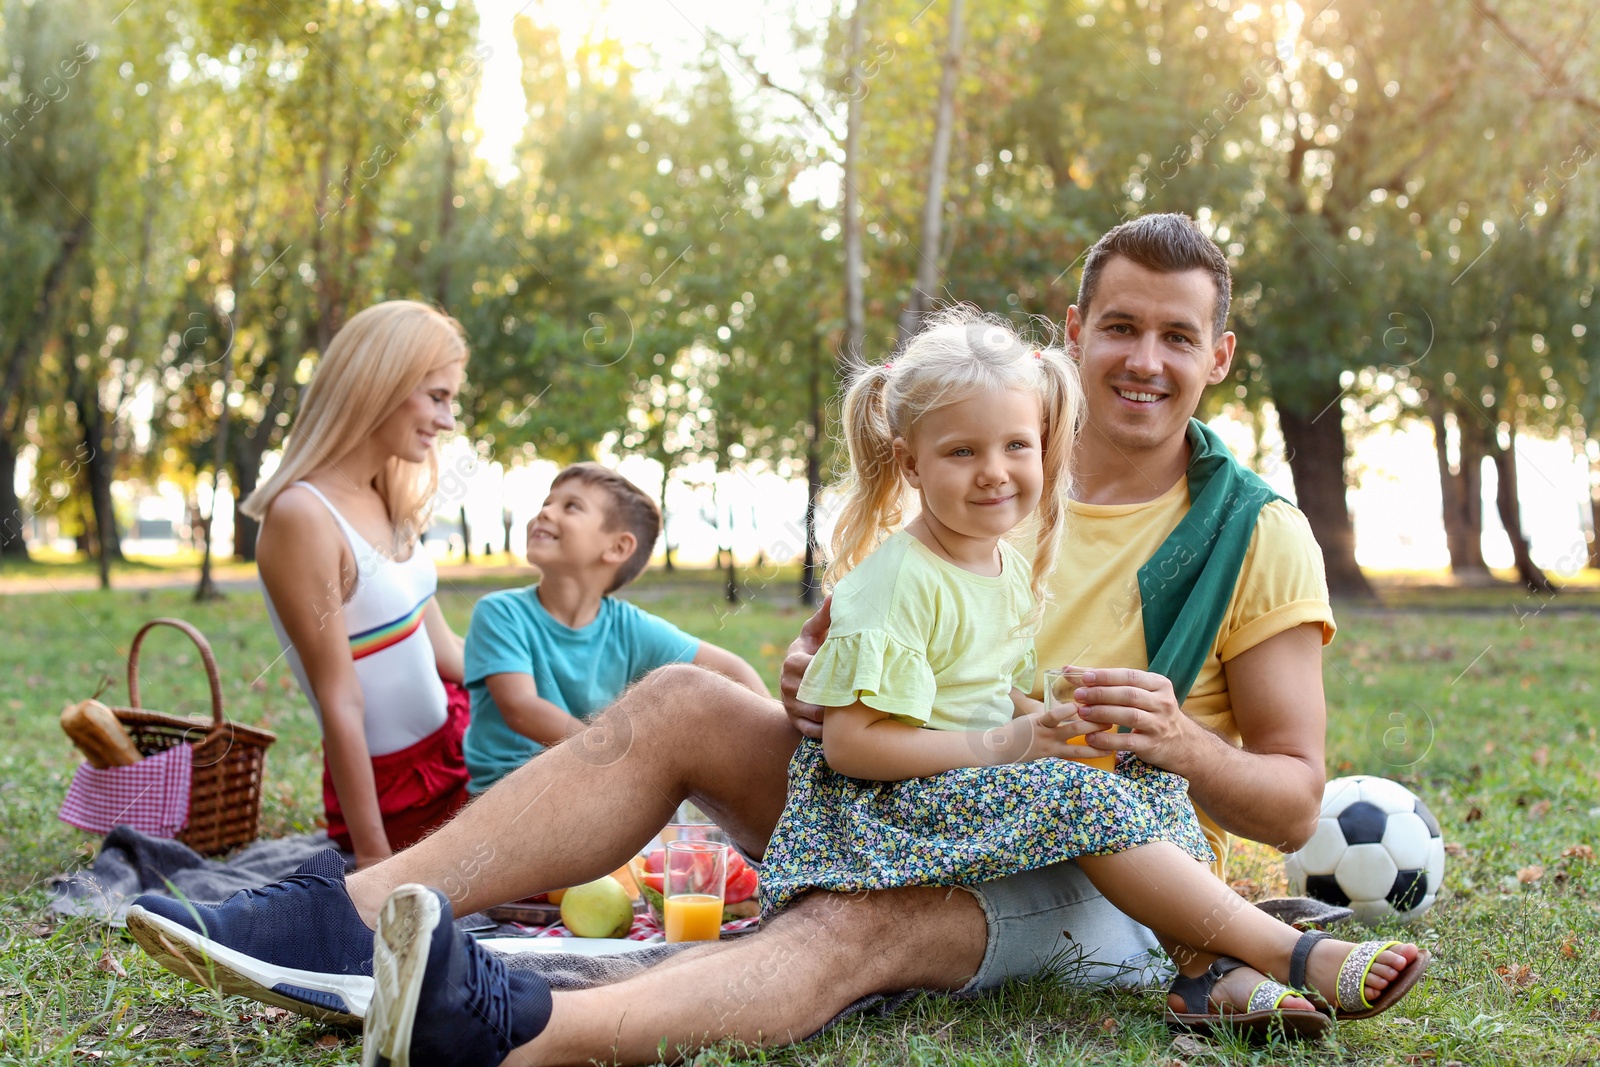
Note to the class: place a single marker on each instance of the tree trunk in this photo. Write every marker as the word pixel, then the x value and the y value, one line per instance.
pixel 1593 561
pixel 13 524
pixel 246 471
pixel 39 319
pixel 855 317
pixel 1316 447
pixel 811 572
pixel 938 166
pixel 1461 492
pixel 666 543
pixel 447 208
pixel 1510 508
pixel 466 537
pixel 207 588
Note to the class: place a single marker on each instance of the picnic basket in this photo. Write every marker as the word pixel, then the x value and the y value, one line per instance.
pixel 229 758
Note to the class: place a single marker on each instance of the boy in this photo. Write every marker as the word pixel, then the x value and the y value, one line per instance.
pixel 541 660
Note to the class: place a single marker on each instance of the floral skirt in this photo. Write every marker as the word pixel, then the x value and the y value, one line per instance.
pixel 974 824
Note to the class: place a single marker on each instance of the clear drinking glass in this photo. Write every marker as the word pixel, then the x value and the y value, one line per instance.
pixel 693 879
pixel 1059 685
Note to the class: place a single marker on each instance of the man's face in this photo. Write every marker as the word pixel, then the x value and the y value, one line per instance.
pixel 1146 352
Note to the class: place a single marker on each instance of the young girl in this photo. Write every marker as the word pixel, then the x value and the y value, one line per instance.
pixel 932 768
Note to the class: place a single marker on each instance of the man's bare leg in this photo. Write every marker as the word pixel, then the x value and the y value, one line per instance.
pixel 774 987
pixel 583 808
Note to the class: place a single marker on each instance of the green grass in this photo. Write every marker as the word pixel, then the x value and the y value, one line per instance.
pixel 1497 729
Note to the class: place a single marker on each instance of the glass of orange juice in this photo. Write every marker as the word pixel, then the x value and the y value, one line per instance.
pixel 1059 685
pixel 694 875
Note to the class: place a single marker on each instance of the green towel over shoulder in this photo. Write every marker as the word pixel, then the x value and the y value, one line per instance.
pixel 1187 585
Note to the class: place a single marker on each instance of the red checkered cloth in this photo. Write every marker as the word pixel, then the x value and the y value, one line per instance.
pixel 645 928
pixel 152 796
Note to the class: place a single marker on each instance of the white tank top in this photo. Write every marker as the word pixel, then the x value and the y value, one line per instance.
pixel 405 700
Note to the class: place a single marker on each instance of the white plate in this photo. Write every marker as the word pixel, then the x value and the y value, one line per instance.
pixel 577 946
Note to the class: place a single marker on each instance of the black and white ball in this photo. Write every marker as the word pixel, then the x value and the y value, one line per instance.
pixel 1377 849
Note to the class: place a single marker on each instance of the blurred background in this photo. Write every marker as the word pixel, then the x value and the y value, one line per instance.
pixel 670 226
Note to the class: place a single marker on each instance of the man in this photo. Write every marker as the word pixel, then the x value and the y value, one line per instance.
pixel 1149 330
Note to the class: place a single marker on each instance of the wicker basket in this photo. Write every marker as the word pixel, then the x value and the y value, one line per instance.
pixel 225 790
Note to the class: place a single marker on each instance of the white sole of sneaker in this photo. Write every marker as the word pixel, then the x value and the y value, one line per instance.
pixel 400 951
pixel 215 966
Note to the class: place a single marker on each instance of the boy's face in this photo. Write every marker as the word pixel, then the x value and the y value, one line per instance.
pixel 570 532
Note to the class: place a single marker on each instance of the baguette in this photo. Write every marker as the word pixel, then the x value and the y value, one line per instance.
pixel 103 740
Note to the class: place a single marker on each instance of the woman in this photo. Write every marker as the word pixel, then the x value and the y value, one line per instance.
pixel 350 591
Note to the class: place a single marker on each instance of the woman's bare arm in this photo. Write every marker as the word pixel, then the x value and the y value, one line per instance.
pixel 300 557
pixel 449 650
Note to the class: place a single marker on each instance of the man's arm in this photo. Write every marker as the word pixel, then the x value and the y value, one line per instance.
pixel 1271 789
pixel 528 713
pixel 731 666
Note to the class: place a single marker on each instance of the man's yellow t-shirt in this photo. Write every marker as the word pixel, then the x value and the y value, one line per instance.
pixel 1095 620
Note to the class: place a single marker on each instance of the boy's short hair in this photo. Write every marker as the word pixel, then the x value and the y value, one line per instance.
pixel 628 509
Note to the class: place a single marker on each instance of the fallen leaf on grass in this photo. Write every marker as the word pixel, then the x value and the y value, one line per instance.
pixel 1456 849
pixel 1541 756
pixel 1419 1057
pixel 1190 1046
pixel 1474 813
pixel 88 1053
pixel 1108 1025
pixel 8 992
pixel 1582 852
pixel 1517 975
pixel 1594 1016
pixel 1569 948
pixel 1539 810
pixel 108 962
pixel 1530 874
pixel 136 1031
pixel 327 1041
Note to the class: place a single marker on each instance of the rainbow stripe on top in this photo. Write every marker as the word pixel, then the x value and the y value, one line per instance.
pixel 379 638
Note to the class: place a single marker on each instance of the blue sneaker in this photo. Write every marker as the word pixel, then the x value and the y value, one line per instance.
pixel 439 998
pixel 298 944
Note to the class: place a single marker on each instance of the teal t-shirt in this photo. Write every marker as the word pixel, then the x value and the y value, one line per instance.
pixel 580 671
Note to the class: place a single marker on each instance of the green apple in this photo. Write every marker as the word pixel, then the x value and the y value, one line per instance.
pixel 601 908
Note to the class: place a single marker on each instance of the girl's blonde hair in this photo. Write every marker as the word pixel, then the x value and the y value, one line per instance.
pixel 378 359
pixel 960 351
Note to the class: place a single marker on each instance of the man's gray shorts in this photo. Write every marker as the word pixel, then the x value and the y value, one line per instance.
pixel 1052 920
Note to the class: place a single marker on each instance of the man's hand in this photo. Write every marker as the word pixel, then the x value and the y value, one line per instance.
pixel 807 718
pixel 1163 736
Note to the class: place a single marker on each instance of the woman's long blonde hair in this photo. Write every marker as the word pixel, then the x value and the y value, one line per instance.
pixel 959 353
pixel 380 357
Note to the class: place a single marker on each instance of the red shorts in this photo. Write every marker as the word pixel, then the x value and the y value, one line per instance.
pixel 419 787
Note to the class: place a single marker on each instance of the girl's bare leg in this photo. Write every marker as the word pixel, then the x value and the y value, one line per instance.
pixel 1200 918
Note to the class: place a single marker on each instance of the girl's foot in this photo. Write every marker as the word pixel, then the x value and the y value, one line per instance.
pixel 1230 998
pixel 1231 994
pixel 1356 980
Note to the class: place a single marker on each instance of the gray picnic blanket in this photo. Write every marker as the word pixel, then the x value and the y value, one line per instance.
pixel 130 863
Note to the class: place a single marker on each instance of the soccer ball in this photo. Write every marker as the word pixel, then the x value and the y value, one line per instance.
pixel 1377 849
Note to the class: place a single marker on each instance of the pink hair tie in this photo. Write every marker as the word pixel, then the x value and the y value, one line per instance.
pixel 1037 354
pixel 889 365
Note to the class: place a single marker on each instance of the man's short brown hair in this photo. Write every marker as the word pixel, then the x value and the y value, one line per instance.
pixel 1169 243
pixel 628 509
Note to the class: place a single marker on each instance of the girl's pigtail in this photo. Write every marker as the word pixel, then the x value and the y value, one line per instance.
pixel 874 492
pixel 1062 397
